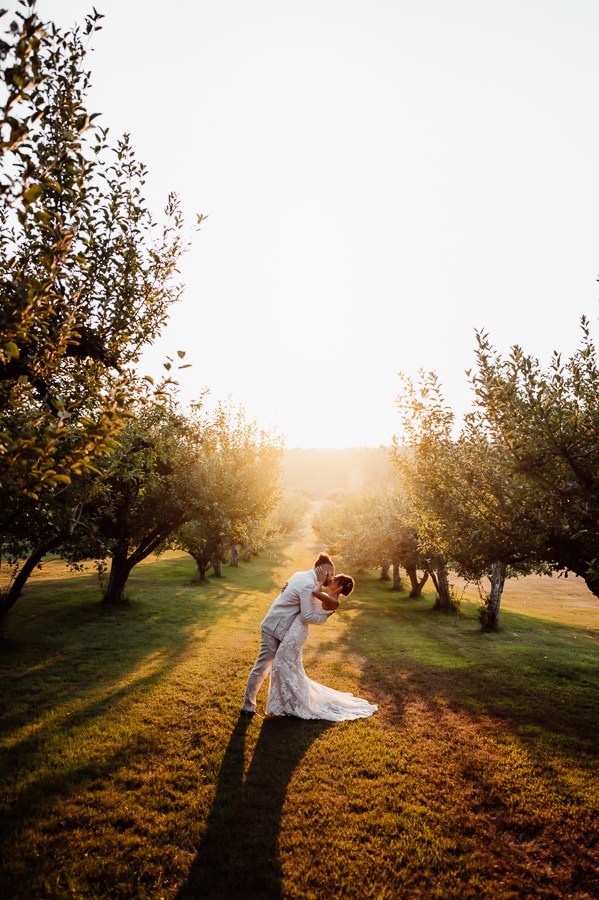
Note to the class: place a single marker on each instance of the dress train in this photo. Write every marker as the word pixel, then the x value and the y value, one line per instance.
pixel 292 693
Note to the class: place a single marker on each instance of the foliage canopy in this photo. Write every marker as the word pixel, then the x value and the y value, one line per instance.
pixel 86 279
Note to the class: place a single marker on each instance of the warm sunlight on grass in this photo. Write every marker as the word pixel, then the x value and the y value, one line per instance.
pixel 126 771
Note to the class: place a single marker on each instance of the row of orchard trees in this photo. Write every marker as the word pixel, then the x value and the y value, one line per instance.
pixel 95 461
pixel 514 491
pixel 206 482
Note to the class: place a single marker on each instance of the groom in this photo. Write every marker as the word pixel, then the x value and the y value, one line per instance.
pixel 295 599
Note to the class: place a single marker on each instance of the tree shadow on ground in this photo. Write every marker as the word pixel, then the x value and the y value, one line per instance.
pixel 238 856
pixel 531 689
pixel 67 670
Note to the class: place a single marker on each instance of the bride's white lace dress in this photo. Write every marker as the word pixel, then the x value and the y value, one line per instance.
pixel 292 693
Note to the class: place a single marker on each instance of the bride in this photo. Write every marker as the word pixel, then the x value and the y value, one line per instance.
pixel 291 692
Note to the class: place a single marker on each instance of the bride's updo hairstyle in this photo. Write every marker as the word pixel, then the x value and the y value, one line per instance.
pixel 346 582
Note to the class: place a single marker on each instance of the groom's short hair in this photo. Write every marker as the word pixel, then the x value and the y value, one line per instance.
pixel 323 560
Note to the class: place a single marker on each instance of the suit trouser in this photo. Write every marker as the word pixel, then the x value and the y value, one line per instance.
pixel 268 647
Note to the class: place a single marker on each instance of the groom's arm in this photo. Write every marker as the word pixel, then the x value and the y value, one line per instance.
pixel 309 614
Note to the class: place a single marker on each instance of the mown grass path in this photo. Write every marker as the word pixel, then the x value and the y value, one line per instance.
pixel 125 771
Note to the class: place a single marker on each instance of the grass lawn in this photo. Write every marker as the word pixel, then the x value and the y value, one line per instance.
pixel 126 772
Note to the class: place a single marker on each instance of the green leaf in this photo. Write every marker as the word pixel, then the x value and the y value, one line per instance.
pixel 32 193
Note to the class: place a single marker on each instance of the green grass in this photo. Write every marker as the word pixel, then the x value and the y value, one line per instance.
pixel 125 771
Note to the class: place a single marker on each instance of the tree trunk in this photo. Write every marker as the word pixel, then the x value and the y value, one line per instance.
pixel 120 569
pixel 234 556
pixel 491 617
pixel 416 584
pixel 217 565
pixel 397 585
pixel 9 598
pixel 385 572
pixel 443 601
pixel 202 566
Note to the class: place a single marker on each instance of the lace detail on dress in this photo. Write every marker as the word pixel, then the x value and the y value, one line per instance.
pixel 292 693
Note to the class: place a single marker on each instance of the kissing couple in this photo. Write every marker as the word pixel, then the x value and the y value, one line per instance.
pixel 284 630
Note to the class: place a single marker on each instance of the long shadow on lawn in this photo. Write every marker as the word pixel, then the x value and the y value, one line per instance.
pixel 238 856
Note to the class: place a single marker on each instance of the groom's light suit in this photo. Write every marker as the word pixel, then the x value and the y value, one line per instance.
pixel 295 599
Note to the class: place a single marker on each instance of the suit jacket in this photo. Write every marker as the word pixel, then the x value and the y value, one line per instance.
pixel 295 599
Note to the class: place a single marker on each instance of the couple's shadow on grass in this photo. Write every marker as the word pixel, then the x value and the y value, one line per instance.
pixel 238 855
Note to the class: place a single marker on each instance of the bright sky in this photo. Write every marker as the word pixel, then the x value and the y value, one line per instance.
pixel 381 178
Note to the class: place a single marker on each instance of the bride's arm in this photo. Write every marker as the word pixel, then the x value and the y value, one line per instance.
pixel 329 602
